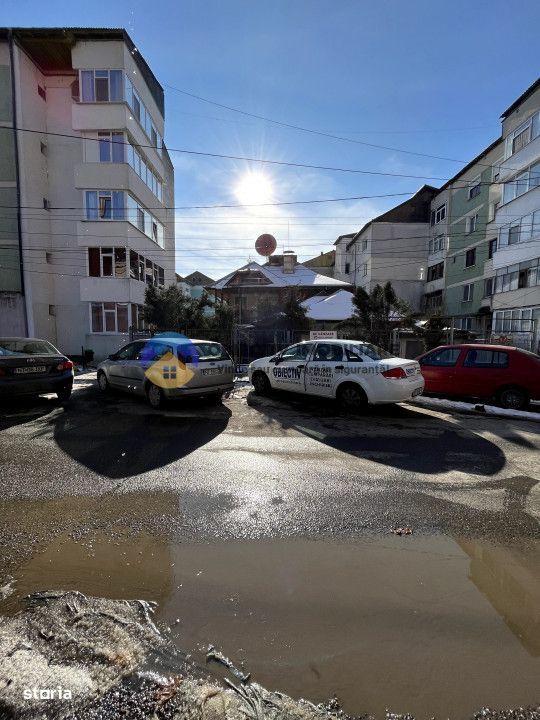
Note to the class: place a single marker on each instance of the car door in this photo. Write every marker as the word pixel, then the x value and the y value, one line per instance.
pixel 288 371
pixel 117 365
pixel 144 356
pixel 326 364
pixel 482 371
pixel 438 368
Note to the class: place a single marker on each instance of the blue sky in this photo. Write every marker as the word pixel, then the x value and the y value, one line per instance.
pixel 423 76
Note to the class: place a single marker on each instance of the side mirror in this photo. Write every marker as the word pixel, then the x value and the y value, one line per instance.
pixel 112 357
pixel 276 359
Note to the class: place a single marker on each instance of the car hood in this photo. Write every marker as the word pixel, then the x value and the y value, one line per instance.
pixel 260 361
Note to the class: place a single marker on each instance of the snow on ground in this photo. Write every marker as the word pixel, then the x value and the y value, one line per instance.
pixel 459 406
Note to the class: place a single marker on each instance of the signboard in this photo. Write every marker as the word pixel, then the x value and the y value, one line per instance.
pixel 323 335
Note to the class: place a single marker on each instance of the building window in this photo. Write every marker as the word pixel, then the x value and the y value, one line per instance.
pixel 43 148
pixel 435 272
pixel 523 230
pixel 472 223
pixel 463 323
pixel 109 317
pixel 468 292
pixel 492 248
pixel 364 269
pixel 436 244
pixel 111 147
pixel 347 268
pixel 488 287
pixel 522 135
pixel 433 300
pixel 42 93
pixel 439 214
pixel 143 170
pixel 470 257
pixel 101 85
pixel 144 118
pixel 522 275
pixel 105 205
pixel 522 183
pixel 475 188
pixel 364 245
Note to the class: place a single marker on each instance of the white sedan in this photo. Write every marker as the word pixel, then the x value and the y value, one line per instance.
pixel 356 373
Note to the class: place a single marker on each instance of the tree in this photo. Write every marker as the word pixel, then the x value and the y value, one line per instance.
pixel 434 332
pixel 378 313
pixel 220 326
pixel 169 309
pixel 294 314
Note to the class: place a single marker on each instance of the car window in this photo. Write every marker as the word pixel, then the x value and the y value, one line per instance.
pixel 154 350
pixel 486 359
pixel 211 351
pixel 373 352
pixel 442 358
pixel 328 352
pixel 27 347
pixel 297 352
pixel 126 352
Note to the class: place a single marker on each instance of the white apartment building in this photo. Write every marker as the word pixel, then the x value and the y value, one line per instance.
pixel 86 187
pixel 392 246
pixel 516 263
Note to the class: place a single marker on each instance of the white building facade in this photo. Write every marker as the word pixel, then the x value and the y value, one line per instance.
pixel 516 263
pixel 89 185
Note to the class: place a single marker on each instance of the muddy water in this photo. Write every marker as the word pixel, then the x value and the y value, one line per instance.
pixel 426 625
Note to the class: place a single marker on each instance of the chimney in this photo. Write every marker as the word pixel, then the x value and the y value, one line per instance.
pixel 289 261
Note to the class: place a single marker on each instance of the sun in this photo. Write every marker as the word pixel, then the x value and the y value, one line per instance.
pixel 254 188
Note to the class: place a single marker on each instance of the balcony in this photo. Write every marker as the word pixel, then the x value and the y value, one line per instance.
pixel 528 155
pixel 108 289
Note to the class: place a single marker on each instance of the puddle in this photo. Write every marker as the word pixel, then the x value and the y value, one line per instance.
pixel 432 626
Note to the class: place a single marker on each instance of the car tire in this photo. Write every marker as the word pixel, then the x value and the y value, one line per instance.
pixel 64 394
pixel 261 383
pixel 155 396
pixel 352 398
pixel 513 398
pixel 103 383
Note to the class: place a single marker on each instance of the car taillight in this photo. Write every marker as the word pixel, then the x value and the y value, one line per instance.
pixel 65 365
pixel 395 373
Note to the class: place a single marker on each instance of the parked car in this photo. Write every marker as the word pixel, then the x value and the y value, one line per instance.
pixel 163 368
pixel 355 373
pixel 508 375
pixel 29 366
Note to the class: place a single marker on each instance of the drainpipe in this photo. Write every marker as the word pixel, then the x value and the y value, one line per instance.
pixel 17 172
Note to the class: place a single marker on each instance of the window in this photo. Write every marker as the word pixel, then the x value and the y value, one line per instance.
pixel 522 183
pixel 463 323
pixel 439 214
pixel 442 358
pixel 475 188
pixel 111 147
pixel 297 352
pixel 43 148
pixel 486 358
pixel 435 272
pixel 472 223
pixel 523 134
pixel 488 287
pixel 347 268
pixel 107 262
pixel 364 269
pixel 109 317
pixel 492 248
pixel 140 111
pixel 101 85
pixel 433 300
pixel 437 243
pixel 470 257
pixel 468 292
pixel 143 170
pixel 364 245
pixel 42 93
pixel 520 140
pixel 105 205
pixel 328 352
pixel 513 234
pixel 46 204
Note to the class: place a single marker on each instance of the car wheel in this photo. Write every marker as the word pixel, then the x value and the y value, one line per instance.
pixel 352 398
pixel 64 394
pixel 155 396
pixel 513 398
pixel 261 383
pixel 103 383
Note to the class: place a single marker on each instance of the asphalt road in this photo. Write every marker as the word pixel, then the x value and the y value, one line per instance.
pixel 107 496
pixel 262 467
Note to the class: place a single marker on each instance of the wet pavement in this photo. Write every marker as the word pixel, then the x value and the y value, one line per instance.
pixel 263 527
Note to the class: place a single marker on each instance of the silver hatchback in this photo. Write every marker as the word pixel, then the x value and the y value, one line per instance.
pixel 168 367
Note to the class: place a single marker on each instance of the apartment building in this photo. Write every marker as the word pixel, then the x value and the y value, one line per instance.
pixel 86 187
pixel 516 263
pixel 472 196
pixel 392 246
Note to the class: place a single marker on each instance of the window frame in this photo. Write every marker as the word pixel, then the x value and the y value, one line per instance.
pixel 469 295
pixel 470 253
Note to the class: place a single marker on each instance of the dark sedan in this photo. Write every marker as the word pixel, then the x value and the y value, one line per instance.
pixel 29 366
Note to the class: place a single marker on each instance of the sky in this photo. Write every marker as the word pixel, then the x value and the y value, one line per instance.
pixel 416 76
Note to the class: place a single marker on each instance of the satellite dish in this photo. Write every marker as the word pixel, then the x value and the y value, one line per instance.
pixel 265 244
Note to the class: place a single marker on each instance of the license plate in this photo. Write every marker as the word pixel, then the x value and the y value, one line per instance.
pixel 212 371
pixel 30 369
pixel 410 371
pixel 416 392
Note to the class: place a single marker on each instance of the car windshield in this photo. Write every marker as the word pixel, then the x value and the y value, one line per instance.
pixel 371 351
pixel 27 347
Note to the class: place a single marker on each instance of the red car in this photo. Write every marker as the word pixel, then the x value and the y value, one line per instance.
pixel 508 375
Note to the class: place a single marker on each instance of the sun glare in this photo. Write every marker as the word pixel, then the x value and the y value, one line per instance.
pixel 254 188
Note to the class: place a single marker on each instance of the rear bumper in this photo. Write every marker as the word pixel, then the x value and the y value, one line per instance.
pixel 36 386
pixel 197 391
pixel 399 391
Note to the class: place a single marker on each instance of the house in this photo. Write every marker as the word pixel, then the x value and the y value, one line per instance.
pixel 392 246
pixel 256 290
pixel 194 285
pixel 323 263
pixel 328 310
pixel 85 169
